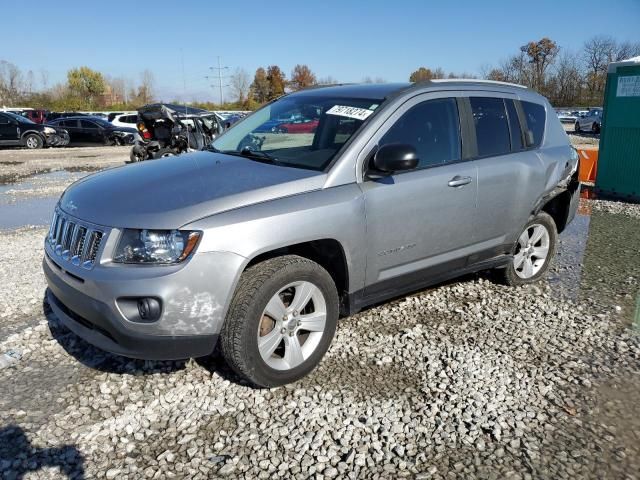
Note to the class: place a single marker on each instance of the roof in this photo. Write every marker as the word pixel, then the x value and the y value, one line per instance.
pixel 373 91
pixel 624 63
pixel 380 91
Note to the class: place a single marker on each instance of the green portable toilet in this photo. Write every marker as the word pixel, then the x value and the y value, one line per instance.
pixel 619 157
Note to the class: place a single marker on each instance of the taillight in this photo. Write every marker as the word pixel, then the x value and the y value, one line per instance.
pixel 146 135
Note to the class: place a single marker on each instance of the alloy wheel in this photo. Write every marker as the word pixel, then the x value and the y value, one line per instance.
pixel 292 325
pixel 532 251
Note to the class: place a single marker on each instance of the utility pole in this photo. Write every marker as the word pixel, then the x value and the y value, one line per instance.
pixel 218 75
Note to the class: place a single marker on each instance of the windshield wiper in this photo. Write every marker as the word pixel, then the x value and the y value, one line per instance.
pixel 258 154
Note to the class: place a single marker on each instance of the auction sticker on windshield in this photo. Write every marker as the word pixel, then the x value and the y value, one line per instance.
pixel 350 112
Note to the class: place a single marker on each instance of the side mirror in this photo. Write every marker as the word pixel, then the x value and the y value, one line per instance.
pixel 395 157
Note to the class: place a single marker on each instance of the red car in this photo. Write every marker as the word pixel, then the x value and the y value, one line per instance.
pixel 306 125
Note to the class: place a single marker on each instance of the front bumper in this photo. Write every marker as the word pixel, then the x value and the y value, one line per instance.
pixel 194 299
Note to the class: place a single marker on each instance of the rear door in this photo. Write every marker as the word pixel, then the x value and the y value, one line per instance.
pixel 91 132
pixel 71 126
pixel 510 175
pixel 419 223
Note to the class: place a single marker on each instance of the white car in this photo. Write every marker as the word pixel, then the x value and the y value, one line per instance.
pixel 127 119
pixel 590 122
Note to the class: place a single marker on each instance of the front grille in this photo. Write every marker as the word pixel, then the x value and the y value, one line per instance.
pixel 73 241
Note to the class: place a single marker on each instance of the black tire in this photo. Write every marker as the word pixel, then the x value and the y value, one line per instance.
pixel 164 152
pixel 257 285
pixel 595 128
pixel 576 127
pixel 33 141
pixel 509 276
pixel 136 156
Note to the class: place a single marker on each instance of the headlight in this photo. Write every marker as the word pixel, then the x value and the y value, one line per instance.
pixel 155 246
pixel 49 130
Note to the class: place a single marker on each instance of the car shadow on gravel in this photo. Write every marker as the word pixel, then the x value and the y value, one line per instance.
pixel 101 360
pixel 18 457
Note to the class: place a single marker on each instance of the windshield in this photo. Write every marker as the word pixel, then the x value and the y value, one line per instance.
pixel 19 118
pixel 303 131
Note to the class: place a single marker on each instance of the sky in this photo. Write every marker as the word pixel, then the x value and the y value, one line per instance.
pixel 347 40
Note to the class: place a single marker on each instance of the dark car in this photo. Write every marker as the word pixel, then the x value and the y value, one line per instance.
pixel 16 130
pixel 86 129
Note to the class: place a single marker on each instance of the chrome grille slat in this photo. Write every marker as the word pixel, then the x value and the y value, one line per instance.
pixel 74 242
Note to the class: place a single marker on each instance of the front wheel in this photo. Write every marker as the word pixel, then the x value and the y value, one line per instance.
pixel 33 141
pixel 576 127
pixel 281 321
pixel 532 254
pixel 595 128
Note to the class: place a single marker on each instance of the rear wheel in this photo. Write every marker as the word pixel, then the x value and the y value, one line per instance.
pixel 281 321
pixel 595 128
pixel 33 141
pixel 533 251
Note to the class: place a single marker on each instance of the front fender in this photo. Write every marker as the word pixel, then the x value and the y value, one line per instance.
pixel 334 213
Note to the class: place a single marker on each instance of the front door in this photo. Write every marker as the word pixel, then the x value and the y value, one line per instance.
pixel 9 130
pixel 420 222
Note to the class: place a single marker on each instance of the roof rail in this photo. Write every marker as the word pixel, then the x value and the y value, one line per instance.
pixel 475 80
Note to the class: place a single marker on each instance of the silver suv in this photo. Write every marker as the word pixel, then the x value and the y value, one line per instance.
pixel 263 241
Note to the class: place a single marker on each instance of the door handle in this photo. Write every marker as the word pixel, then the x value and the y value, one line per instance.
pixel 459 181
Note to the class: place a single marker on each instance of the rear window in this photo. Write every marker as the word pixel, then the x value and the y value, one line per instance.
pixel 492 126
pixel 535 116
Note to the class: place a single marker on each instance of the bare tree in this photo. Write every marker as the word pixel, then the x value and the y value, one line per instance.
pixel 328 80
pixel 147 83
pixel 597 52
pixel 11 83
pixel 240 83
pixel 566 82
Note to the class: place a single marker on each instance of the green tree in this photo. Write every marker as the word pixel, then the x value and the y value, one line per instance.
pixel 302 77
pixel 260 86
pixel 85 85
pixel 277 81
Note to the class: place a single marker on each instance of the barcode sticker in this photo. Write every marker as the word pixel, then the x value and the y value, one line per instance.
pixel 350 112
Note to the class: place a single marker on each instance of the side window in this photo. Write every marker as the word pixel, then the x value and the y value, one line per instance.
pixel 69 123
pixel 492 126
pixel 514 126
pixel 432 128
pixel 4 119
pixel 535 117
pixel 87 124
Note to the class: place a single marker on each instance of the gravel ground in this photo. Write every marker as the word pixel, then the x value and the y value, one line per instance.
pixel 470 379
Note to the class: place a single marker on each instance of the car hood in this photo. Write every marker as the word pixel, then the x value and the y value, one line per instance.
pixel 171 192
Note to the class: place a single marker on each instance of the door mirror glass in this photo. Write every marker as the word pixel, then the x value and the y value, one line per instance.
pixel 395 157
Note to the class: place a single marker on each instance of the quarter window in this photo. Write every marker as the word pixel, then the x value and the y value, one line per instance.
pixel 432 128
pixel 536 117
pixel 492 126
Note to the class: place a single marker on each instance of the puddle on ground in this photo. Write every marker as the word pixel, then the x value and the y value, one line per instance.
pixel 21 205
pixel 598 260
pixel 29 211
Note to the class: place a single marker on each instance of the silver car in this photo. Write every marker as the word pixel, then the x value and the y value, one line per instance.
pixel 591 121
pixel 264 241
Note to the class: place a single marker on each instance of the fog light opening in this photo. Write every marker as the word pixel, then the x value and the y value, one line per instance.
pixel 148 309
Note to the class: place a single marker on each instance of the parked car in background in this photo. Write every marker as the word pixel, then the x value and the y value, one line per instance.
pixel 112 115
pixel 260 243
pixel 16 130
pixel 567 117
pixel 86 129
pixel 167 130
pixel 303 125
pixel 590 122
pixel 127 119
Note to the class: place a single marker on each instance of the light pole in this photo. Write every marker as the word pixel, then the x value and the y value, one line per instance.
pixel 218 75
